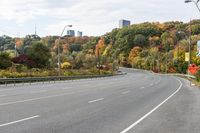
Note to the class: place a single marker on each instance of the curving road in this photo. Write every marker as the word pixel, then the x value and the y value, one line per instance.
pixel 139 102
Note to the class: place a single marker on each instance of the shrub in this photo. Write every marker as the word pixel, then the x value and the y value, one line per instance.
pixel 66 65
pixel 5 61
pixel 25 60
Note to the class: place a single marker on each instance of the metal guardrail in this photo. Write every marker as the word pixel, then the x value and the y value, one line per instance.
pixel 49 79
pixel 169 74
pixel 184 75
pixel 180 75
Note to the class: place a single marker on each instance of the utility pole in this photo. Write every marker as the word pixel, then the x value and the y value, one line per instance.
pixel 99 61
pixel 59 62
pixel 190 41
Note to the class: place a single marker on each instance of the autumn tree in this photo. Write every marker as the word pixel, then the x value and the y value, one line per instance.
pixel 133 54
pixel 99 47
pixel 154 41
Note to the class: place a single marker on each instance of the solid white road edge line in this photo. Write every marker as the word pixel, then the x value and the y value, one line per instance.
pixel 14 122
pixel 149 113
pixel 100 99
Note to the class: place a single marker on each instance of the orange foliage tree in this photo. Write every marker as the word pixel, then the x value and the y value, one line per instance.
pixel 18 42
pixel 99 47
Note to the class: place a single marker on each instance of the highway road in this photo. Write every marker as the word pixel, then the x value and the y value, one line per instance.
pixel 138 102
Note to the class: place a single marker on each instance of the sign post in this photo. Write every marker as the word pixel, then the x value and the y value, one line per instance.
pixel 187 57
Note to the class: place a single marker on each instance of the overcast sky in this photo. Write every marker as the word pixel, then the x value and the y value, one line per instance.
pixel 93 17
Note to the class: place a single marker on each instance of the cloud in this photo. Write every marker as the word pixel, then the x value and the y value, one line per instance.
pixel 21 10
pixel 93 17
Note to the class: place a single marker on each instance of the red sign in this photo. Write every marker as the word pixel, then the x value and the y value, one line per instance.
pixel 193 69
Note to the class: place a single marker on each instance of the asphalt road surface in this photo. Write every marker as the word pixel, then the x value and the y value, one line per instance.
pixel 139 102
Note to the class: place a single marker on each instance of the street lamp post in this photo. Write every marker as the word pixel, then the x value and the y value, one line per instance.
pixel 195 2
pixel 189 43
pixel 59 61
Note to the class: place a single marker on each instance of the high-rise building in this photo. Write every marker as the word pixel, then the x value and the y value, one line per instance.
pixel 123 23
pixel 71 33
pixel 79 33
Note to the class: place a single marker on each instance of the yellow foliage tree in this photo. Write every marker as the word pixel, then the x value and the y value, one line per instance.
pixel 179 53
pixel 133 54
pixel 107 49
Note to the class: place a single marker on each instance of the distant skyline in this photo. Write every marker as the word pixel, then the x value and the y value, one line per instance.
pixel 93 17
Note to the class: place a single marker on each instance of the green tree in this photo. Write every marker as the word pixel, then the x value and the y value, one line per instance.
pixel 27 42
pixel 6 43
pixel 140 40
pixel 75 48
pixel 167 41
pixel 39 53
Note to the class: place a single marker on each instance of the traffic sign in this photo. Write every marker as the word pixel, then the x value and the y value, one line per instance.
pixel 193 69
pixel 187 56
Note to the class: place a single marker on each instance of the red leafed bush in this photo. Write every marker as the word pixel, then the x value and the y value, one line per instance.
pixel 24 59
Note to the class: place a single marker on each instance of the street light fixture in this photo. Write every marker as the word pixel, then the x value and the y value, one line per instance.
pixel 59 62
pixel 195 2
